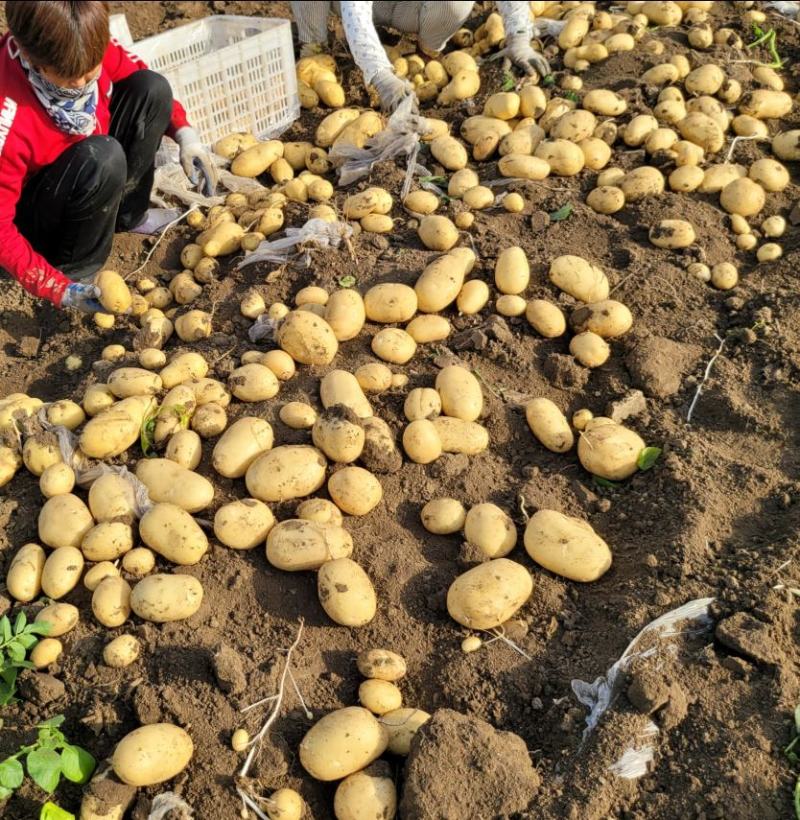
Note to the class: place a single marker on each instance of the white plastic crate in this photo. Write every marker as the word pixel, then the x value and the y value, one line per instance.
pixel 231 73
pixel 119 31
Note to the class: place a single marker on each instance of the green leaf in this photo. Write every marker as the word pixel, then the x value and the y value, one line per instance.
pixel 40 628
pixel 11 773
pixel 8 685
pixel 561 213
pixel 4 792
pixel 26 640
pixel 44 767
pixel 20 623
pixel 604 482
pixel 571 95
pixel 77 764
pixel 5 627
pixel 436 180
pixel 509 82
pixel 50 811
pixel 347 281
pixel 16 652
pixel 548 80
pixel 52 723
pixel 648 457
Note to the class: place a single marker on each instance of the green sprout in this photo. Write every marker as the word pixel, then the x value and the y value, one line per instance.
pixel 769 39
pixel 509 81
pixel 562 213
pixel 648 457
pixel 147 434
pixel 347 281
pixel 15 642
pixel 50 811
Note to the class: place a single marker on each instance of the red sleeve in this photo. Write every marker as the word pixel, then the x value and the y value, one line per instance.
pixel 17 257
pixel 121 64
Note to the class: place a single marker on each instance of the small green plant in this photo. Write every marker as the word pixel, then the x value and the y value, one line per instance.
pixel 548 80
pixel 147 434
pixel 562 213
pixel 46 760
pixel 50 811
pixel 347 281
pixel 15 642
pixel 769 39
pixel 436 180
pixel 571 95
pixel 792 753
pixel 648 457
pixel 604 482
pixel 509 81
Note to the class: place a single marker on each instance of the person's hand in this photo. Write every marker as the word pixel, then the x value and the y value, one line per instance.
pixel 82 297
pixel 392 90
pixel 194 157
pixel 522 56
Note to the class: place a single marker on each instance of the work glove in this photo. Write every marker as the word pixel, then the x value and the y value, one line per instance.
pixel 196 159
pixel 82 297
pixel 392 90
pixel 522 56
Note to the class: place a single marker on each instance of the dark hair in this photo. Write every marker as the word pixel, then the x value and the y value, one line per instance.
pixel 70 38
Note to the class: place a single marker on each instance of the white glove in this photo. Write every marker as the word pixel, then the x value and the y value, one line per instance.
pixel 194 157
pixel 522 56
pixel 392 90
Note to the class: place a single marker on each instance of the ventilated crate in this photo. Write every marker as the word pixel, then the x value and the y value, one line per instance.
pixel 230 73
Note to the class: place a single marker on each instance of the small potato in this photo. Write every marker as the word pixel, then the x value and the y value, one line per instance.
pixel 338 434
pixel 62 618
pixel 428 328
pixel 57 479
pixel 421 202
pixel 770 174
pixel 193 326
pixel 609 450
pixel 368 793
pixel 742 196
pixel 724 276
pixel 401 726
pixel 686 178
pixel 772 226
pixel 354 490
pixel 422 403
pixel 608 319
pixel 122 651
pixel 185 449
pixel 341 743
pixel 62 572
pixel 606 199
pixel 421 442
pixel 66 413
pixel 381 664
pixel 253 382
pixel 579 278
pixel 672 233
pixel 113 353
pixel 489 594
pixel 768 252
pixel 459 436
pixel 491 530
pixel 163 598
pixel 46 652
pixel 604 102
pixel 296 545
pixel 97 573
pixel 172 533
pixel 461 182
pixel 443 516
pixel 563 157
pixel 374 377
pixel 243 524
pixel 589 349
pixel 390 303
pixel 786 145
pixel 512 271
pixel 307 338
pixel 24 576
pixel 510 305
pixel 394 345
pixel 473 297
pixel 289 471
pixel 320 510
pixel 437 232
pixel 545 318
pixel 240 445
pixel 549 425
pixel 379 696
pixel 40 452
pixel 209 420
pixel 642 182
pixel 139 562
pixel 111 601
pixel 346 594
pixel 152 359
pixel 298 415
pixel 152 754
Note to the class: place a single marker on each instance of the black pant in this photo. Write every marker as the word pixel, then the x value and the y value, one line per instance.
pixel 70 209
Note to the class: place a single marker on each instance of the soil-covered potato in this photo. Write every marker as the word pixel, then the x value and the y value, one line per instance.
pixel 401 725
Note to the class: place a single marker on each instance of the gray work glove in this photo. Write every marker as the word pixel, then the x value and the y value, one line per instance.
pixel 392 90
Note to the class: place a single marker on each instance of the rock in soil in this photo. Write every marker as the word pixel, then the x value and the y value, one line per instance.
pixel 633 403
pixel 228 670
pixel 745 635
pixel 461 768
pixel 39 688
pixel 658 365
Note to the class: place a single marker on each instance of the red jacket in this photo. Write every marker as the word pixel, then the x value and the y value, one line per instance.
pixel 30 140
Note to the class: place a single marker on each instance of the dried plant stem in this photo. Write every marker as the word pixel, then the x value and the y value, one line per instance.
pixel 705 377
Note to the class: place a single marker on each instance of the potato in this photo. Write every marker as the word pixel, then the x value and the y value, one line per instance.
pixel 460 393
pixel 402 725
pixel 66 413
pixel 461 182
pixel 289 471
pixel 489 594
pixel 10 462
pixel 111 498
pixel 607 318
pixel 437 232
pixel 421 442
pixel 62 618
pixel 341 743
pixel 97 573
pixel 338 434
pixel 307 338
pixel 355 490
pixel 422 403
pixel 609 450
pixel 394 345
pixel 46 652
pixel 381 664
pixel 40 452
pixel 579 278
pixel 240 445
pixel 374 377
pixel 589 349
pixel 686 178
pixel 368 793
pixel 563 157
pixel 473 297
pixel 702 130
pixel 253 382
pixel 770 174
pixel 765 104
pixel 113 353
pixel 345 314
pixel 672 233
pixel 449 152
pixel 253 161
pixel 459 436
pixel 428 328
pixel 707 79
pixel 443 516
pixel 463 85
pixel 390 303
pixel 479 198
pixel 114 294
pixel 24 575
pixel 114 430
pixel 152 359
pixel 545 318
pixel 724 276
pixel 168 482
pixel 63 521
pixel 182 368
pixel 297 544
pixel 512 272
pixel 421 202
pixel 193 326
pixel 440 282
pixel 243 524
pixel 57 479
pixel 773 226
pixel 341 387
pixel 642 182
pixel 549 425
pixel 171 532
pixel 122 651
pixel 346 593
pixel 152 754
pixel 718 176
pixel 209 420
pixel 514 203
pixel 111 601
pixel 742 196
pixel 786 145
pixel 320 510
pixel 604 102
pixel 107 541
pixel 139 562
pixel 163 598
pixel 490 529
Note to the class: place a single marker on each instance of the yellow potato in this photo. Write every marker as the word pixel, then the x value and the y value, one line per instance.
pixel 642 182
pixel 473 296
pixel 449 152
pixel 672 233
pixel 489 594
pixel 443 516
pixel 390 303
pixel 173 533
pixel 46 652
pixel 422 403
pixel 609 450
pixel 607 318
pixel 24 575
pixel 298 415
pixel 579 278
pixel 139 562
pixel 63 521
pixel 341 387
pixel 163 598
pixel 307 338
pixel 490 529
pixel 253 161
pixel 66 413
pixel 742 196
pixel 338 434
pixel 381 664
pixel 545 318
pixel 428 328
pixel 589 349
pixel 62 618
pixel 182 368
pixel 440 283
pixel 107 541
pixel 765 104
pixel 368 793
pixel 111 498
pixel 170 483
pixel 421 442
pixel 243 524
pixel 394 345
pixel 437 232
pixel 345 314
pixel 549 425
pixel 512 272
pixel 460 393
pixel 152 754
pixel 604 102
pixel 114 294
pixel 62 572
pixel 346 593
pixel 565 158
pixel 354 490
pixel 115 429
pixel 40 452
pixel 297 544
pixel 240 445
pixel 111 601
pixel 289 471
pixel 97 573
pixel 401 725
pixel 459 436
pixel 121 652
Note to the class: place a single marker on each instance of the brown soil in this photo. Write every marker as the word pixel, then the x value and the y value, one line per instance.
pixel 718 516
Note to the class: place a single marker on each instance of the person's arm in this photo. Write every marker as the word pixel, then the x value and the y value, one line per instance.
pixel 518 26
pixel 370 56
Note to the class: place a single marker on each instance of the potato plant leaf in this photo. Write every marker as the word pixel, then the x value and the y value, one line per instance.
pixel 44 767
pixel 11 773
pixel 648 457
pixel 347 281
pixel 561 213
pixel 77 764
pixel 509 82
pixel 50 811
pixel 604 482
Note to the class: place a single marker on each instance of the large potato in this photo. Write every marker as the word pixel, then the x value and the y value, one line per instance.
pixel 107 541
pixel 62 618
pixel 642 182
pixel 579 278
pixel 111 601
pixel 428 328
pixel 355 490
pixel 566 546
pixel 253 161
pixel 346 592
pixel 24 576
pixel 545 318
pixel 173 533
pixel 342 387
pixel 152 754
pixel 401 726
pixel 441 281
pixel 394 345
pixel 742 196
pixel 450 153
pixel 163 598
pixel 345 313
pixel 63 521
pixel 490 529
pixel 608 319
pixel 289 471
pixel 253 382
pixel 549 425
pixel 488 595
pixel 182 368
pixel 170 483
pixel 368 793
pixel 460 392
pixel 114 294
pixel 40 452
pixel 522 166
pixel 66 413
pixel 421 442
pixel 307 338
pixel 672 233
pixel 512 272
pixel 390 303
pixel 341 743
pixel 111 498
pixel 565 158
pixel 766 104
pixel 459 436
pixel 133 381
pixel 702 130
pixel 297 544
pixel 240 445
pixel 604 102
pixel 243 524
pixel 114 430
pixel 609 450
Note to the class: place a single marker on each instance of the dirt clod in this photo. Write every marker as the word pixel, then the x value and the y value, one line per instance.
pixel 40 688
pixel 229 670
pixel 745 635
